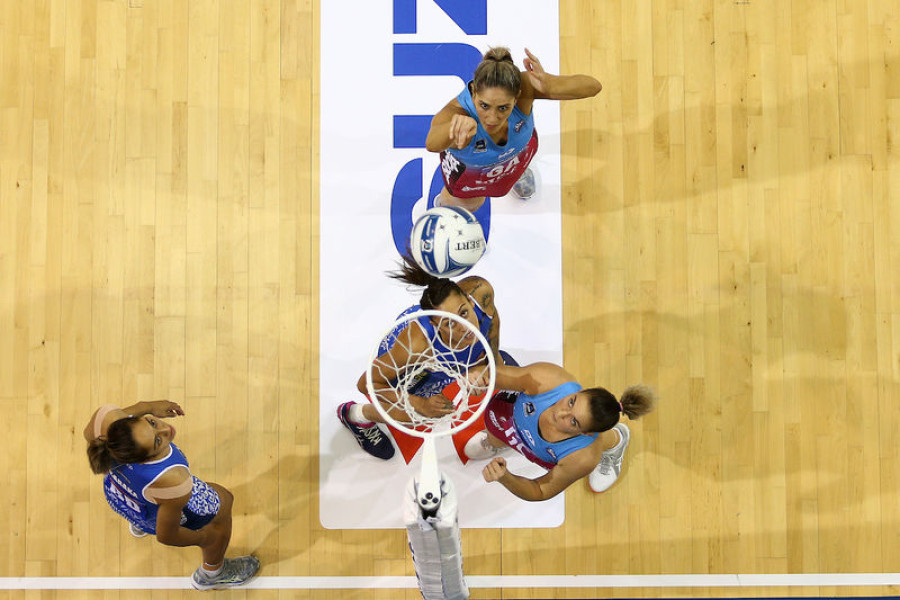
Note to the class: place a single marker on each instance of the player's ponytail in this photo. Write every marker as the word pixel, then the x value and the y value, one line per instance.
pixel 436 288
pixel 497 69
pixel 98 456
pixel 117 447
pixel 637 401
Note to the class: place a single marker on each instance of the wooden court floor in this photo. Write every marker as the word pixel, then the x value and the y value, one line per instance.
pixel 729 201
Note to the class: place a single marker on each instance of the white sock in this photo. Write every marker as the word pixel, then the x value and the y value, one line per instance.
pixel 209 573
pixel 355 414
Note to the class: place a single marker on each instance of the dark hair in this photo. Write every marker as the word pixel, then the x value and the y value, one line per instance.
pixel 637 401
pixel 118 447
pixel 497 69
pixel 436 288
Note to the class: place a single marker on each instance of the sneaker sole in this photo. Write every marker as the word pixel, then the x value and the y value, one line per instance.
pixel 223 586
pixel 593 491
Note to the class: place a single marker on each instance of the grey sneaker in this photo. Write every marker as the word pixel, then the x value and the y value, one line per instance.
pixel 235 572
pixel 479 448
pixel 606 473
pixel 136 531
pixel 524 188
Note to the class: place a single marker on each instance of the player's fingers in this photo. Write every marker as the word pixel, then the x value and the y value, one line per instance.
pixel 457 131
pixel 440 407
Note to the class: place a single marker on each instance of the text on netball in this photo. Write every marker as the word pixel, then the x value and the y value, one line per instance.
pixel 469 245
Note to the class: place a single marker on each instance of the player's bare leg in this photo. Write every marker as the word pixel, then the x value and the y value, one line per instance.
pixel 445 198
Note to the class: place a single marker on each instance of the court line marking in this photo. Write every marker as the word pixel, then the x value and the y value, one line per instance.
pixel 474 581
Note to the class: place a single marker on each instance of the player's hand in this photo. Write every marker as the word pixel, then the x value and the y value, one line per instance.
pixel 495 470
pixel 462 130
pixel 478 377
pixel 536 74
pixel 165 409
pixel 433 406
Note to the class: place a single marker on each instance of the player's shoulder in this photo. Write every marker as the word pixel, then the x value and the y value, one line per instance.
pixel 527 91
pixel 475 283
pixel 175 483
pixel 481 290
pixel 549 376
pixel 414 333
pixel 173 476
pixel 584 460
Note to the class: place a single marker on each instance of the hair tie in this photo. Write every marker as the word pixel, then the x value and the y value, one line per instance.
pixel 621 408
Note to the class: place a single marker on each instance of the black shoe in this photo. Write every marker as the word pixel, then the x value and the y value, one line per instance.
pixel 370 438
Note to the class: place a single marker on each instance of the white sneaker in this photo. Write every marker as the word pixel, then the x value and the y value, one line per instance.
pixel 606 473
pixel 479 448
pixel 135 531
pixel 525 187
pixel 235 572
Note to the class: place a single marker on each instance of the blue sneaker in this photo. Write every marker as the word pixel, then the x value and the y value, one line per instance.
pixel 525 187
pixel 370 438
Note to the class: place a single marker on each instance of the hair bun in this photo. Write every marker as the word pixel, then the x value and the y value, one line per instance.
pixel 498 54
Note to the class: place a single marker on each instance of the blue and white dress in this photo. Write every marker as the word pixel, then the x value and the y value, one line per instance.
pixel 430 382
pixel 125 487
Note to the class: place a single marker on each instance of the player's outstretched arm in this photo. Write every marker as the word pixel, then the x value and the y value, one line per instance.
pixel 540 84
pixel 108 414
pixel 451 127
pixel 532 379
pixel 536 490
pixel 482 291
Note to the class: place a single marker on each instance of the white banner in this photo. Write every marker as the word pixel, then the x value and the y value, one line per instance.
pixel 386 67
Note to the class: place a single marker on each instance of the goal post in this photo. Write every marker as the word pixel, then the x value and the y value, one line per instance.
pixel 436 544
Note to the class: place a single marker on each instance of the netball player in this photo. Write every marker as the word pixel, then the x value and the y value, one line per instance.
pixel 553 422
pixel 473 300
pixel 486 135
pixel 148 483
